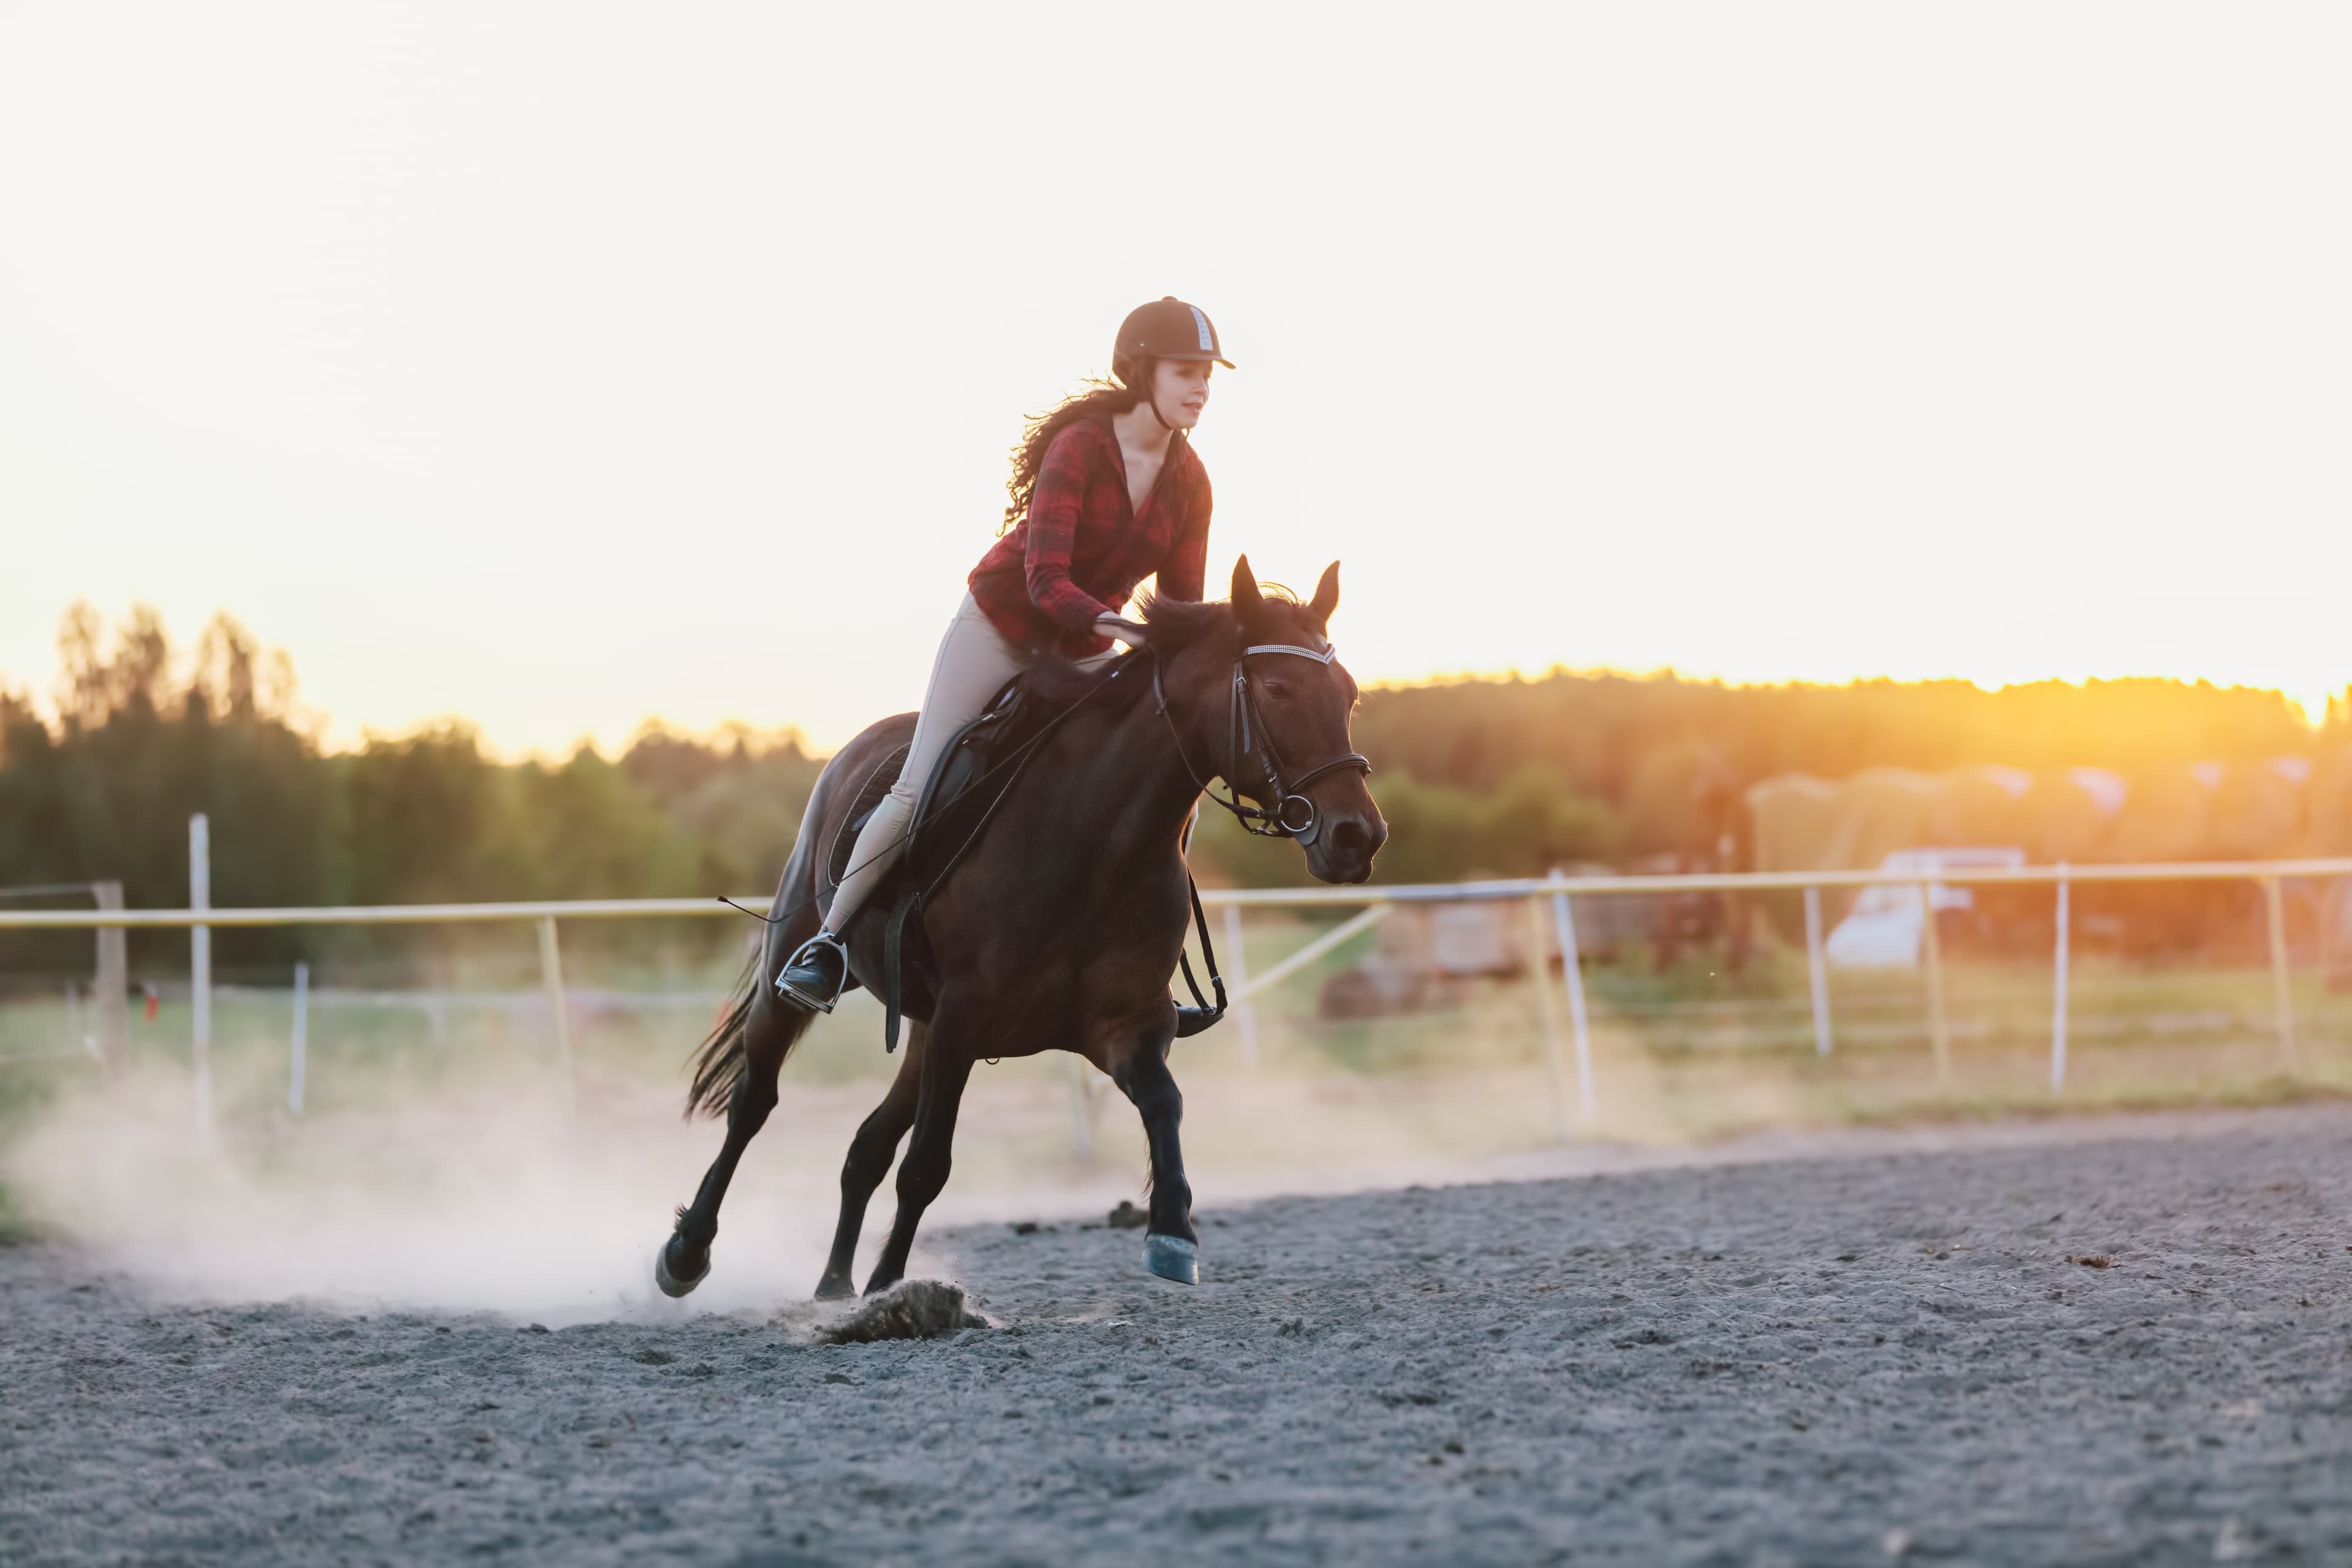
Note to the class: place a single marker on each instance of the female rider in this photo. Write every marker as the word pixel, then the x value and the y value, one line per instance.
pixel 1105 492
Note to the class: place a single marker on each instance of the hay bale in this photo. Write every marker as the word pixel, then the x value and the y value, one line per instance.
pixel 1979 806
pixel 1794 814
pixel 2066 814
pixel 2259 809
pixel 1882 810
pixel 1805 823
pixel 2167 816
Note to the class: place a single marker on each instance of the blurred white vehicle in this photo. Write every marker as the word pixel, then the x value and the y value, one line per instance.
pixel 1886 928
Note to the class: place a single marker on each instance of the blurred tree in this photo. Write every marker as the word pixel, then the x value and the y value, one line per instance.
pixel 1596 731
pixel 1504 776
pixel 740 795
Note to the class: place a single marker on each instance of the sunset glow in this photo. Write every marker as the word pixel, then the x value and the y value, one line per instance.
pixel 559 369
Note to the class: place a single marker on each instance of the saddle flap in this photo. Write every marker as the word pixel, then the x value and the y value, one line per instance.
pixel 976 748
pixel 1011 716
pixel 861 807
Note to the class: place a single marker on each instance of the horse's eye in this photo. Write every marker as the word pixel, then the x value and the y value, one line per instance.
pixel 1276 688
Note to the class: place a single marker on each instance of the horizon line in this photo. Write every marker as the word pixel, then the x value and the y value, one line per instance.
pixel 320 729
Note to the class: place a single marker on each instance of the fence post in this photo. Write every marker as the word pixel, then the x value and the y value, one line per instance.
pixel 1940 1034
pixel 1346 930
pixel 1571 966
pixel 1540 973
pixel 1817 973
pixel 114 1020
pixel 1244 1016
pixel 550 976
pixel 299 1063
pixel 2058 1002
pixel 2282 993
pixel 200 967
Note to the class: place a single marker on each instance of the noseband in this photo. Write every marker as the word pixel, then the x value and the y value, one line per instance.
pixel 1293 816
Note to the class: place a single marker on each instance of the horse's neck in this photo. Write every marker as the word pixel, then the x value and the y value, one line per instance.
pixel 1126 788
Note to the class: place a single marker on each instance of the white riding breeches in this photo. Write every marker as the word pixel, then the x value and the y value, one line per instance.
pixel 975 662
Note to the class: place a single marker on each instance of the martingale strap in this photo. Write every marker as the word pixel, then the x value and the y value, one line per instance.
pixel 1191 1021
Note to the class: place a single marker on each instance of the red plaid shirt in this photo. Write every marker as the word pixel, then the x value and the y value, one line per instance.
pixel 1082 550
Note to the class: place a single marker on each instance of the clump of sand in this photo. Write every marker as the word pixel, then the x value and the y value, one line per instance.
pixel 910 1310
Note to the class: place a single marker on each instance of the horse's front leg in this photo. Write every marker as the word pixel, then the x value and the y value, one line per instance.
pixel 1171 1246
pixel 923 1171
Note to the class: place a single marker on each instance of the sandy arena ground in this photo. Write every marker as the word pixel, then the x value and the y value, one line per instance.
pixel 1801 1360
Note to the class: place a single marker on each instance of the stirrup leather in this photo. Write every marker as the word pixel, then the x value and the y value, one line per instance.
pixel 812 978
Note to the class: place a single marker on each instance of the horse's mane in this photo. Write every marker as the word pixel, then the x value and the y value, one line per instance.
pixel 1171 626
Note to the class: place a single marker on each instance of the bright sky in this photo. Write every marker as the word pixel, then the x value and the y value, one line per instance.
pixel 556 365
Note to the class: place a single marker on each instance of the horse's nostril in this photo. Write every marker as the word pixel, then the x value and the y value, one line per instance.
pixel 1349 837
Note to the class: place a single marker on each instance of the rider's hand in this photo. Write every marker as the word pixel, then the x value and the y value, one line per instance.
pixel 1119 629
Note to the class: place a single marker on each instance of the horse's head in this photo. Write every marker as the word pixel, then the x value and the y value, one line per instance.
pixel 1267 706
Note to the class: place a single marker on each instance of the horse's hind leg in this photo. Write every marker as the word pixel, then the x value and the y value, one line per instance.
pixel 684 1261
pixel 946 1068
pixel 870 1153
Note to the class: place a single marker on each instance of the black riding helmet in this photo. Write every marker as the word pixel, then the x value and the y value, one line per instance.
pixel 1165 328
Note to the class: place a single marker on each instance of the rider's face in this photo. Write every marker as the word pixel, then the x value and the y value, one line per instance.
pixel 1181 390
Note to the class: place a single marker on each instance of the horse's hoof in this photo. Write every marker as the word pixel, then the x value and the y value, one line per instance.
pixel 1173 1258
pixel 835 1288
pixel 670 1284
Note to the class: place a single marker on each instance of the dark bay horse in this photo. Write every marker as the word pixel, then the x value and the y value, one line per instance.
pixel 1061 926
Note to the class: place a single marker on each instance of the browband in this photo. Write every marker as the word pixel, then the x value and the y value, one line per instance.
pixel 1326 657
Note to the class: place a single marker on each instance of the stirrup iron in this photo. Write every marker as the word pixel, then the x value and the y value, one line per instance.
pixel 817 974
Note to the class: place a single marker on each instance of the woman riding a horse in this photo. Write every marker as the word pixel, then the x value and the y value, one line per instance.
pixel 1105 492
pixel 1059 912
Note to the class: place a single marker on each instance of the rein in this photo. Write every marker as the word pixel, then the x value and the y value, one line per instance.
pixel 1246 734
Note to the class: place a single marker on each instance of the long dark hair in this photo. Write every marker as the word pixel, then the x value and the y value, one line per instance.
pixel 1100 398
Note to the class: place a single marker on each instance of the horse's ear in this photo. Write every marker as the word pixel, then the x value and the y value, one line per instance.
pixel 1247 598
pixel 1327 595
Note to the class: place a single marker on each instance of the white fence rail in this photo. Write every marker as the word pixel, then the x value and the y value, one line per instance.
pixel 1547 898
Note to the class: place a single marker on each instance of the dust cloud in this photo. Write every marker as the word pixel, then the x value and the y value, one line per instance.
pixel 514 1209
pixel 507 1201
pixel 515 1204
pixel 504 1199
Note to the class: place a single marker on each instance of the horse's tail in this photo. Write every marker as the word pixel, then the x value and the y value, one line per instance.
pixel 753 1009
pixel 718 1065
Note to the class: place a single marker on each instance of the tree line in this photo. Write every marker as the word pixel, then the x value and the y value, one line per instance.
pixel 1503 775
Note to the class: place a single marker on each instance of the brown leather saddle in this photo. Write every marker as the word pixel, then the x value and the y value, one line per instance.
pixel 1012 716
pixel 975 773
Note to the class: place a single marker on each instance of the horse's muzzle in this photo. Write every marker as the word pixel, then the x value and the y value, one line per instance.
pixel 1344 848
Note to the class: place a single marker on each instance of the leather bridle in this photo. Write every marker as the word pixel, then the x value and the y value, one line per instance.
pixel 1246 734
